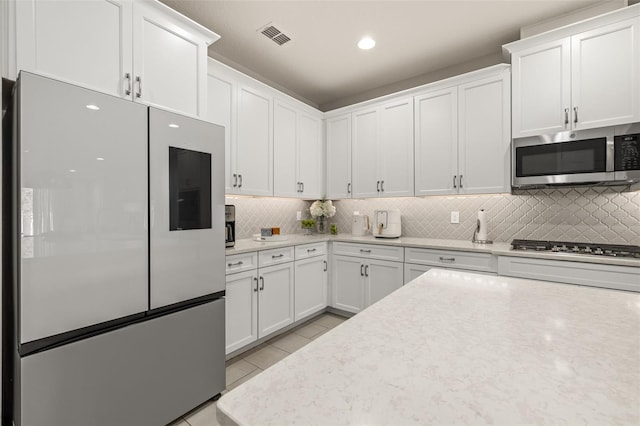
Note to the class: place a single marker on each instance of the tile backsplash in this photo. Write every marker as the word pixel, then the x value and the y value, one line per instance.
pixel 595 214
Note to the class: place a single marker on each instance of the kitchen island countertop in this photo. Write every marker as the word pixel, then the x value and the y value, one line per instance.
pixel 460 348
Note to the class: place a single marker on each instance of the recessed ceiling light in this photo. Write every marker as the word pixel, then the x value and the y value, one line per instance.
pixel 99 158
pixel 72 170
pixel 173 126
pixel 93 107
pixel 366 43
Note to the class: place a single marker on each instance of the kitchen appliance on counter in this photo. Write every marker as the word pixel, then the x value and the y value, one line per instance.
pixel 360 225
pixel 386 224
pixel 604 156
pixel 114 280
pixel 230 225
pixel 614 250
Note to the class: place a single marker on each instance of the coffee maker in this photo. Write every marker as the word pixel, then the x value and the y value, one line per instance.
pixel 230 225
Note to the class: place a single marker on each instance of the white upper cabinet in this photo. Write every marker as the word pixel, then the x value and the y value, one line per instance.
pixel 221 101
pixel 383 150
pixel 541 89
pixel 587 76
pixel 338 136
pixel 297 152
pixel 483 136
pixel 436 141
pixel 462 136
pixel 364 148
pixel 253 159
pixel 136 49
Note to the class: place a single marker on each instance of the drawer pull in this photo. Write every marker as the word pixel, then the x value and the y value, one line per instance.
pixel 311 250
pixel 277 256
pixel 365 251
pixel 238 263
pixel 447 259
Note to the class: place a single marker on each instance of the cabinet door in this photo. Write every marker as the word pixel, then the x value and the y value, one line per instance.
pixel 339 157
pixel 541 89
pixel 241 311
pixel 365 175
pixel 254 143
pixel 436 142
pixel 310 162
pixel 220 107
pixel 311 286
pixel 285 151
pixel 605 75
pixel 396 148
pixel 483 136
pixel 348 283
pixel 413 271
pixel 275 304
pixel 87 43
pixel 169 63
pixel 383 278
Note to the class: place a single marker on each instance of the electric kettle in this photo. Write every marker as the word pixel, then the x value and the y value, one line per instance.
pixel 360 225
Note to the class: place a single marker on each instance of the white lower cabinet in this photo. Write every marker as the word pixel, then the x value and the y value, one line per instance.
pixel 590 274
pixel 258 303
pixel 311 286
pixel 241 310
pixel 359 282
pixel 413 271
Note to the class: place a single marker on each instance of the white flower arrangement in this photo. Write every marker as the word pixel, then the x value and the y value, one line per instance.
pixel 321 208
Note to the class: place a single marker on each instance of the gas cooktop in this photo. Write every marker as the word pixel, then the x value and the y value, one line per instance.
pixel 617 250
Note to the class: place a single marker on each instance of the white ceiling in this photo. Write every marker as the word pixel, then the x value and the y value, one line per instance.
pixel 322 65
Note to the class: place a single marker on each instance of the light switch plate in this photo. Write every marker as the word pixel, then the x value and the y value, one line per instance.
pixel 455 217
pixel 298 215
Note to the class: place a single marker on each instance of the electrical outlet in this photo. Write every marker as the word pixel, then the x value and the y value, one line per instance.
pixel 298 215
pixel 455 217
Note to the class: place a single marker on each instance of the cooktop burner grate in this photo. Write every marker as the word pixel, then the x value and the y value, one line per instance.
pixel 616 250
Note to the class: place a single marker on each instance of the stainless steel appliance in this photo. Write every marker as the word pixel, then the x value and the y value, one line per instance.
pixel 614 250
pixel 386 224
pixel 604 156
pixel 115 216
pixel 230 225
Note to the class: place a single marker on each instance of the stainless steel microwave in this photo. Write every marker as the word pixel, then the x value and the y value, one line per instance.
pixel 603 156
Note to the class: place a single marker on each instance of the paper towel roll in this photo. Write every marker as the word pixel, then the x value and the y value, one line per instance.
pixel 482 226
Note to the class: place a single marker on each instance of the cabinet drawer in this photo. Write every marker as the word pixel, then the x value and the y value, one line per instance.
pixel 310 250
pixel 275 256
pixel 591 274
pixel 484 262
pixel 241 262
pixel 369 251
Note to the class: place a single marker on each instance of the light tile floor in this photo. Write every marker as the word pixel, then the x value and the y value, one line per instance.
pixel 250 363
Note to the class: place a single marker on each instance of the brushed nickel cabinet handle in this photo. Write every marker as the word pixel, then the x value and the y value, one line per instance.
pixel 261 283
pixel 139 81
pixel 460 181
pixel 325 266
pixel 566 117
pixel 381 186
pixel 302 183
pixel 256 287
pixel 454 182
pixel 277 256
pixel 235 180
pixel 240 184
pixel 365 251
pixel 378 186
pixel 127 77
pixel 575 115
pixel 366 271
pixel 311 250
pixel 362 270
pixel 349 188
pixel 447 259
pixel 238 263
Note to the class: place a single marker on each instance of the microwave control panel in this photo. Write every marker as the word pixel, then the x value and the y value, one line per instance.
pixel 627 152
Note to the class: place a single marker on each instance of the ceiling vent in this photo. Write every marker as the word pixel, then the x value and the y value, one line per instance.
pixel 275 34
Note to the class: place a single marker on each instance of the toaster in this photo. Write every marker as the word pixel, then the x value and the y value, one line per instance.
pixel 386 224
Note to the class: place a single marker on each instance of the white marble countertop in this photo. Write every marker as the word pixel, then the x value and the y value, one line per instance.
pixel 454 347
pixel 497 248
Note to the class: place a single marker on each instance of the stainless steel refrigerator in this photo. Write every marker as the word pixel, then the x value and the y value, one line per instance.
pixel 114 277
